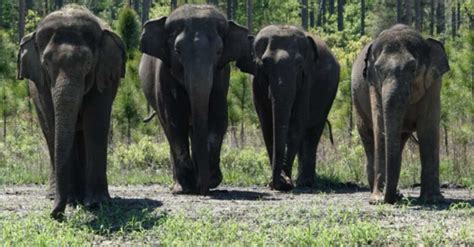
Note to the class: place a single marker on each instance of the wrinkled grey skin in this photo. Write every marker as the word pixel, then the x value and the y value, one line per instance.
pixel 396 83
pixel 295 83
pixel 185 77
pixel 74 64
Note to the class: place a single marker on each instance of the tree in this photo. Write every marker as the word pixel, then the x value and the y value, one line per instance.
pixel 174 4
pixel 362 17
pixel 129 29
pixel 146 10
pixel 432 16
pixel 58 4
pixel 321 13
pixel 399 11
pixel 311 13
pixel 249 15
pixel 440 18
pixel 304 14
pixel 340 15
pixel 408 12
pixel 21 20
pixel 418 15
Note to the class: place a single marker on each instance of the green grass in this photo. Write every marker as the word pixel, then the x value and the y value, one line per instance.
pixel 125 223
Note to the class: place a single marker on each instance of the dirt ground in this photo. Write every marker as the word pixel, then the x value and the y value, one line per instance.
pixel 248 202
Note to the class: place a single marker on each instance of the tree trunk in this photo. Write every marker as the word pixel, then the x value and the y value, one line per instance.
pixel 321 13
pixel 453 22
pixel 173 4
pixel 331 7
pixel 58 4
pixel 136 6
pixel 229 10
pixel 340 15
pixel 441 18
pixel 399 11
pixel 45 7
pixel 362 17
pixel 146 10
pixel 458 14
pixel 311 14
pixel 418 16
pixel 432 16
pixel 304 14
pixel 249 15
pixel 1 14
pixel 21 20
pixel 409 12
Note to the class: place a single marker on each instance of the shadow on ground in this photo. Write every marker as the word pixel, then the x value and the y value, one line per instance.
pixel 126 215
pixel 241 195
pixel 328 184
pixel 447 204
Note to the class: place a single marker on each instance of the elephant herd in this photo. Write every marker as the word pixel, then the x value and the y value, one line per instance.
pixel 74 63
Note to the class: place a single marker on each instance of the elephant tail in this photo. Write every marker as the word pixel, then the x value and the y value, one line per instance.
pixel 149 118
pixel 330 132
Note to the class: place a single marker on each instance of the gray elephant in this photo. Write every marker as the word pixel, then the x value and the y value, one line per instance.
pixel 396 83
pixel 74 64
pixel 185 77
pixel 295 83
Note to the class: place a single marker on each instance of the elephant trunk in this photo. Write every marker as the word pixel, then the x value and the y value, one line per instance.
pixel 395 97
pixel 67 96
pixel 198 85
pixel 281 111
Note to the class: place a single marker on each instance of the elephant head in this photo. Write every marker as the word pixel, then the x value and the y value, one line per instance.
pixel 402 66
pixel 284 55
pixel 70 52
pixel 195 42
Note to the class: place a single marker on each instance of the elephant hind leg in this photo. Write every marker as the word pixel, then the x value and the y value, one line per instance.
pixel 367 137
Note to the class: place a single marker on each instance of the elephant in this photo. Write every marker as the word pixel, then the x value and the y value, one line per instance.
pixel 74 62
pixel 184 75
pixel 296 77
pixel 396 83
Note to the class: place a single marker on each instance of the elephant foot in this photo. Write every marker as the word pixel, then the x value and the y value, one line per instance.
pixel 216 179
pixel 58 210
pixel 178 189
pixel 432 198
pixel 376 198
pixel 282 183
pixel 93 201
pixel 305 182
pixel 392 198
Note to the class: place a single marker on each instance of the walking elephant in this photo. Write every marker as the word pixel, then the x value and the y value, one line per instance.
pixel 295 83
pixel 74 64
pixel 185 77
pixel 396 83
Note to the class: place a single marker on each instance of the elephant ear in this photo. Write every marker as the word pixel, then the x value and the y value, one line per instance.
pixel 246 63
pixel 112 58
pixel 368 71
pixel 439 59
pixel 237 47
pixel 313 51
pixel 154 38
pixel 29 62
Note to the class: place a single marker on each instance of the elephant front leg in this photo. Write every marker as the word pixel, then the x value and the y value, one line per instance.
pixel 96 123
pixel 307 160
pixel 429 151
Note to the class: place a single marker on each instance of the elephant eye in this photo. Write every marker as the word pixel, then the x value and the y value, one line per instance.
pixel 177 50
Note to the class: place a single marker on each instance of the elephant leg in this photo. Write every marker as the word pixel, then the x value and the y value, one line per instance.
pixel 97 108
pixel 44 109
pixel 307 160
pixel 217 128
pixel 428 137
pixel 174 118
pixel 367 137
pixel 264 111
pixel 76 196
